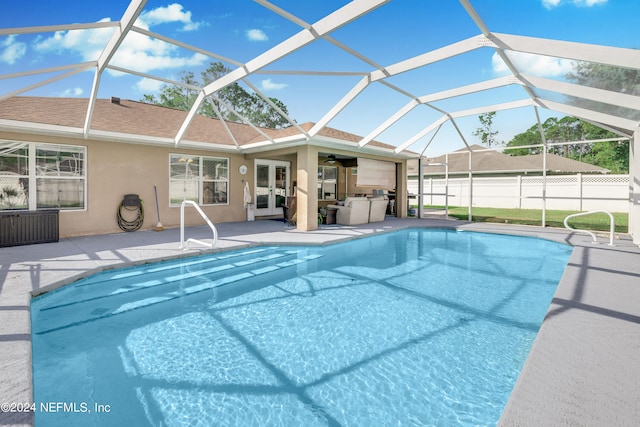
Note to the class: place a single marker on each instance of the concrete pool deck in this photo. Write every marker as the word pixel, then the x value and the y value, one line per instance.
pixel 582 368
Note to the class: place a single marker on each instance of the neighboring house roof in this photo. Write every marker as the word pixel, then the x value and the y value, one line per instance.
pixel 485 161
pixel 138 120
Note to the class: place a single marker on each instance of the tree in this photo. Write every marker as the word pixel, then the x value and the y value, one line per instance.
pixel 565 129
pixel 177 97
pixel 607 77
pixel 486 133
pixel 610 155
pixel 529 137
pixel 242 103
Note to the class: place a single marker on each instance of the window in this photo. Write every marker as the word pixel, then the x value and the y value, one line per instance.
pixel 327 182
pixel 42 176
pixel 204 180
pixel 60 177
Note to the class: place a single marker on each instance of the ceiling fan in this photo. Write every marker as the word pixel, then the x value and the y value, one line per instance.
pixel 331 159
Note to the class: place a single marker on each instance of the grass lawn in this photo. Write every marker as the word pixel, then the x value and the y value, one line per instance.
pixel 534 217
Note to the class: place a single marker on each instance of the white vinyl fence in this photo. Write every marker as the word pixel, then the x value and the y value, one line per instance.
pixel 563 192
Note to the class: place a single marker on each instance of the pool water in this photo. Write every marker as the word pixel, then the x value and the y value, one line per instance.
pixel 416 327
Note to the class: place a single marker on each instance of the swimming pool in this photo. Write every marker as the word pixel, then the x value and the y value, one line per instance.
pixel 421 326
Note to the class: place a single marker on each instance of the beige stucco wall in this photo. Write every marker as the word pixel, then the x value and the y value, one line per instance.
pixel 115 169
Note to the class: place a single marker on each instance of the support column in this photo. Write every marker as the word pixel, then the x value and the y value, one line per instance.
pixel 470 212
pixel 420 188
pixel 634 186
pixel 579 183
pixel 446 186
pixel 401 189
pixel 307 193
pixel 544 187
pixel 544 169
pixel 519 192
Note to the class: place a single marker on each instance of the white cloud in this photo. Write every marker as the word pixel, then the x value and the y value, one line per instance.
pixel 142 54
pixel 588 3
pixel 11 50
pixel 537 65
pixel 268 84
pixel 256 35
pixel 550 4
pixel 172 13
pixel 137 52
pixel 76 91
pixel 87 43
pixel 148 85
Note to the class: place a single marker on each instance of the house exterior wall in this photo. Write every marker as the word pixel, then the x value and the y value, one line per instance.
pixel 115 169
pixel 564 192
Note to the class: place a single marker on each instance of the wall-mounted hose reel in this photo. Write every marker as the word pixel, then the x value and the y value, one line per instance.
pixel 130 215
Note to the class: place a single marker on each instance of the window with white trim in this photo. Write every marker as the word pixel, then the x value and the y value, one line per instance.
pixel 202 179
pixel 42 176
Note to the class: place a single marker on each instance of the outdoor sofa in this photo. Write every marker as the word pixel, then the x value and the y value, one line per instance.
pixel 360 210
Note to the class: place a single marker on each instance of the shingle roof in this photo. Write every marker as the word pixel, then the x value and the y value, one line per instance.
pixel 141 119
pixel 485 161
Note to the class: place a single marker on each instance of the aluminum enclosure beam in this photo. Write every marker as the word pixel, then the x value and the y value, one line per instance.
pixel 585 92
pixel 331 22
pixel 128 18
pixel 570 110
pixel 616 56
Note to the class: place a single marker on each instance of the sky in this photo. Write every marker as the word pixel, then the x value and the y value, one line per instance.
pixel 238 30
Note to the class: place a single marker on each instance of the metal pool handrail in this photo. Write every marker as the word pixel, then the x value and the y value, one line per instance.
pixel 184 245
pixel 593 236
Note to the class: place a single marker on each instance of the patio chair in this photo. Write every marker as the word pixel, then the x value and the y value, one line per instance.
pixel 377 209
pixel 355 211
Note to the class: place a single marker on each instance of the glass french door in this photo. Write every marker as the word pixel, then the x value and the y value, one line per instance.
pixel 271 185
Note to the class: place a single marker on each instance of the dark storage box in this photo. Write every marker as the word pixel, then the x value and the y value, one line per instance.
pixel 28 227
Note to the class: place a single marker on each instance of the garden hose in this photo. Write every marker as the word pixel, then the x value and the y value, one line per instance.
pixel 131 202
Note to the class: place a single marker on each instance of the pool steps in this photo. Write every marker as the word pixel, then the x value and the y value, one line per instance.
pixel 110 293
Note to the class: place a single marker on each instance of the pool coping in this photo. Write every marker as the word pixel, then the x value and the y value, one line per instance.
pixel 581 369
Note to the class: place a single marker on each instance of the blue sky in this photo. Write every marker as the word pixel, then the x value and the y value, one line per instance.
pixel 241 29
